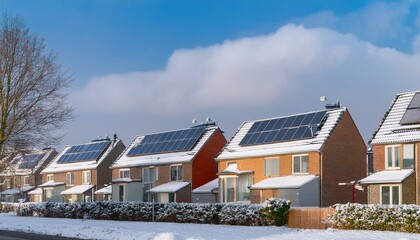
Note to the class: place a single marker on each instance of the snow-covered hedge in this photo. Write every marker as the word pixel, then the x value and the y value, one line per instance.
pixel 273 212
pixel 403 218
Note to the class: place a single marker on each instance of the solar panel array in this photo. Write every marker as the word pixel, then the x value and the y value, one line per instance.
pixel 284 129
pixel 84 152
pixel 173 141
pixel 412 114
pixel 30 160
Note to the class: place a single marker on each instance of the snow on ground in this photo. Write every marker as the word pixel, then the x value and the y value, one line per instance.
pixel 96 229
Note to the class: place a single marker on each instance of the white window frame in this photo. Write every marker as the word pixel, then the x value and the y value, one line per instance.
pixel 178 166
pixel 26 180
pixel 7 181
pixel 50 177
pixel 70 180
pixel 393 166
pixel 300 164
pixel 123 170
pixel 268 173
pixel 84 177
pixel 390 193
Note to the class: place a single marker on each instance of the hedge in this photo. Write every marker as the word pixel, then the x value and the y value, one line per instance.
pixel 273 212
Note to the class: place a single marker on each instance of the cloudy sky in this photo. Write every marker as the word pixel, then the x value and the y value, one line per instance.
pixel 147 66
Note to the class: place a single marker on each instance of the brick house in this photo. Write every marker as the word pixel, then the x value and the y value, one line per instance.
pixel 396 144
pixel 79 170
pixel 300 157
pixel 23 174
pixel 166 166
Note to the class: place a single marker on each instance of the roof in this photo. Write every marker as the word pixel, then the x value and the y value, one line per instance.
pixel 233 169
pixel 387 176
pixel 169 187
pixel 235 151
pixel 162 158
pixel 11 191
pixel 26 188
pixel 36 191
pixel 105 190
pixel 16 168
pixel 51 183
pixel 390 130
pixel 79 189
pixel 291 181
pixel 55 167
pixel 122 180
pixel 209 187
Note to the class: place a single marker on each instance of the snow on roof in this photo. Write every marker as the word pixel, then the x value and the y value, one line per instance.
pixel 10 192
pixel 122 180
pixel 169 187
pixel 387 176
pixel 162 158
pixel 209 187
pixel 291 181
pixel 55 167
pixel 235 151
pixel 233 169
pixel 79 189
pixel 390 130
pixel 36 191
pixel 105 190
pixel 15 168
pixel 26 188
pixel 51 183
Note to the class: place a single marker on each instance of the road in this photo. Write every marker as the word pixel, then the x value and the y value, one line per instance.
pixel 11 235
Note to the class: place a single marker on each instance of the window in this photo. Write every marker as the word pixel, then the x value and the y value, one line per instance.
pixel 149 178
pixel 272 167
pixel 125 173
pixel 236 188
pixel 8 183
pixel 121 196
pixel 26 180
pixel 86 177
pixel 176 173
pixel 392 156
pixel 17 182
pixel 300 164
pixel 390 195
pixel 408 156
pixel 70 178
pixel 50 177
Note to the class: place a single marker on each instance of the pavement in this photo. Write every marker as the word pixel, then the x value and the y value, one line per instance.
pixel 12 235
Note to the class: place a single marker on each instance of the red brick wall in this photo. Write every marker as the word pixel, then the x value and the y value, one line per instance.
pixel 204 165
pixel 378 158
pixel 343 160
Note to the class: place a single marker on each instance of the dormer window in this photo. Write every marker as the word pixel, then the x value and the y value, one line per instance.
pixel 412 114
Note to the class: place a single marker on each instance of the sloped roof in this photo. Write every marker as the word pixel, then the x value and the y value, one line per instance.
pixel 79 189
pixel 235 151
pixel 51 183
pixel 55 167
pixel 162 158
pixel 390 130
pixel 105 190
pixel 169 187
pixel 15 164
pixel 209 187
pixel 387 176
pixel 291 181
pixel 36 191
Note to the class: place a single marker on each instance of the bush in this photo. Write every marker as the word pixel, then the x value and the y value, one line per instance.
pixel 403 218
pixel 274 212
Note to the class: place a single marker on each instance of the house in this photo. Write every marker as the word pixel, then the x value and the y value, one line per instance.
pixel 301 157
pixel 23 173
pixel 396 144
pixel 166 166
pixel 79 170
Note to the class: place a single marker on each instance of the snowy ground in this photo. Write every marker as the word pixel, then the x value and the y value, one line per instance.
pixel 95 229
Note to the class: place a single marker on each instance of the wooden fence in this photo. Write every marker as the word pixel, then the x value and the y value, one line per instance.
pixel 311 218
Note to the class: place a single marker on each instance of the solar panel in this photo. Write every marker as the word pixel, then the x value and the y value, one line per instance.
pixel 173 141
pixel 84 152
pixel 284 129
pixel 412 114
pixel 30 160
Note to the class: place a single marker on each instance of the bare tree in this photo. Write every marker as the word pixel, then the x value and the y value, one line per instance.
pixel 33 97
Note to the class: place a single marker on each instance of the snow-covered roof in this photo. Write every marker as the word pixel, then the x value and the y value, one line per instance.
pixel 55 167
pixel 235 151
pixel 169 187
pixel 162 158
pixel 18 167
pixel 11 191
pixel 51 183
pixel 233 169
pixel 36 191
pixel 122 180
pixel 79 189
pixel 390 130
pixel 209 187
pixel 105 190
pixel 26 188
pixel 291 181
pixel 387 176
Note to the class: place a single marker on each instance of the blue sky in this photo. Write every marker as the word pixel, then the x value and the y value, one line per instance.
pixel 148 66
